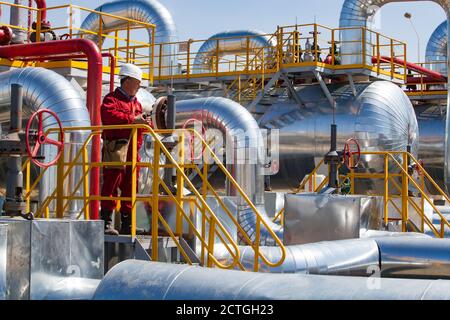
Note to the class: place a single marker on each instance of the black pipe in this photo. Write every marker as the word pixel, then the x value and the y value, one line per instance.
pixel 334 159
pixel 169 173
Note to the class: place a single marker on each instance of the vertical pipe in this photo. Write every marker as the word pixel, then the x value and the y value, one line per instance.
pixel 14 176
pixel 386 189
pixel 405 193
pixel 17 19
pixel 134 169
pixel 171 117
pixel 333 183
pixel 155 201
pixel 60 186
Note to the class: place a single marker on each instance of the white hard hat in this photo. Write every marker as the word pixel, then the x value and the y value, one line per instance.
pixel 130 70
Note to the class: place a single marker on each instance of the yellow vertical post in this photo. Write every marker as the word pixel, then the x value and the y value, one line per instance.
pixel 116 44
pixel 378 53
pixel 316 44
pixel 211 238
pixel 60 186
pixel 71 21
pixel 86 183
pixel 392 59
pixel 332 48
pixel 188 53
pixel 217 56
pixel 247 52
pixel 133 181
pixel 39 25
pixel 180 187
pixel 405 193
pixel 155 200
pixel 256 244
pixel 352 176
pixel 152 64
pixel 363 46
pixel 160 59
pixel 203 208
pixel 100 32
pixel 27 184
pixel 405 67
pixel 128 41
pixel 422 201
pixel 386 189
pixel 280 32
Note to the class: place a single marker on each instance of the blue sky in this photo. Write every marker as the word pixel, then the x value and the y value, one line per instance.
pixel 198 19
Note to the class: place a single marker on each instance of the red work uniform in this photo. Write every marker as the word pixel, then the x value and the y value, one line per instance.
pixel 117 109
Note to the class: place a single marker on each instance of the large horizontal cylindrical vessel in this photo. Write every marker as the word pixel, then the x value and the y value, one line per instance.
pixel 380 117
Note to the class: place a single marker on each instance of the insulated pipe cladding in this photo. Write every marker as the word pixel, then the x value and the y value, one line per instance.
pixel 138 280
pixel 231 42
pixel 436 53
pixel 245 152
pixel 355 13
pixel 45 89
pixel 148 11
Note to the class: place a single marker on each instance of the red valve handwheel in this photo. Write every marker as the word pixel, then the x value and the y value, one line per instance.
pixel 349 153
pixel 192 138
pixel 43 139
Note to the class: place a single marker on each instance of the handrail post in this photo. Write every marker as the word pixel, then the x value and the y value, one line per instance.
pixel 392 59
pixel 27 185
pixel 211 238
pixel 128 41
pixel 86 183
pixel 316 44
pixel 180 187
pixel 247 66
pixel 363 47
pixel 405 193
pixel 160 61
pixel 188 67
pixel 203 209
pixel 386 190
pixel 39 26
pixel 60 186
pixel 378 54
pixel 257 243
pixel 155 201
pixel 332 48
pixel 422 201
pixel 100 32
pixel 217 56
pixel 134 169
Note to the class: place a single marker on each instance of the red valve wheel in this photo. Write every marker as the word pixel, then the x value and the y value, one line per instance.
pixel 65 36
pixel 419 169
pixel 349 153
pixel 43 139
pixel 192 138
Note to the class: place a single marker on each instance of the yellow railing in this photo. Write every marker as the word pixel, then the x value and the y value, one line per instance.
pixel 212 227
pixel 397 180
pixel 127 43
pixel 295 46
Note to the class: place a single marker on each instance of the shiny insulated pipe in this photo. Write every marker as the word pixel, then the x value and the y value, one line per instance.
pixel 148 11
pixel 139 280
pixel 355 13
pixel 437 50
pixel 231 42
pixel 45 89
pixel 232 124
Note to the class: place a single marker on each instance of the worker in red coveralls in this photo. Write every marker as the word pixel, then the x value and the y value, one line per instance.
pixel 119 108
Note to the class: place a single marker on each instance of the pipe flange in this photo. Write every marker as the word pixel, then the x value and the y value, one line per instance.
pixel 159 113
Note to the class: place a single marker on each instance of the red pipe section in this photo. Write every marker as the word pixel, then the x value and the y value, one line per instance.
pixel 41 4
pixel 424 80
pixel 44 50
pixel 411 66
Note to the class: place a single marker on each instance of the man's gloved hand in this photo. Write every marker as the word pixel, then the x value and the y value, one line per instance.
pixel 140 119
